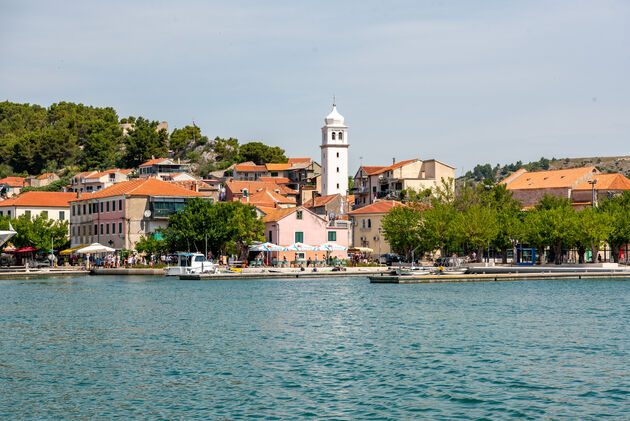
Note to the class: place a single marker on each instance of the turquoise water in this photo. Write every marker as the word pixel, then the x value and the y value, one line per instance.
pixel 134 347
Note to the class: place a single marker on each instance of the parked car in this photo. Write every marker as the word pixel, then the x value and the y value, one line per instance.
pixel 390 258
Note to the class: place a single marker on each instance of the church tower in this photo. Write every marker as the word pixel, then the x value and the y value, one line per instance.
pixel 334 155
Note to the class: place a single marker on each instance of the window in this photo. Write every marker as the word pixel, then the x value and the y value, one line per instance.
pixel 274 174
pixel 333 135
pixel 107 229
pixel 300 256
pixel 369 223
pixel 45 214
pixel 298 214
pixel 101 207
pixel 337 171
pixel 332 235
pixel 83 229
pixel 119 204
pixel 363 223
pixel 83 209
pixel 113 228
pixel 101 227
pixel 107 207
pixel 9 213
pixel 373 189
pixel 337 185
pixel 62 215
pixel 340 138
pixel 1 213
pixel 95 229
pixel 120 228
pixel 337 154
pixel 270 238
pixel 244 192
pixel 74 210
pixel 299 237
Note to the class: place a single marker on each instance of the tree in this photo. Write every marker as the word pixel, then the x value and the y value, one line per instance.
pixel 228 227
pixel 143 142
pixel 509 221
pixel 401 227
pixel 619 210
pixel 40 232
pixel 261 153
pixel 151 245
pixel 438 230
pixel 594 228
pixel 102 143
pixel 477 226
pixel 227 152
pixel 181 137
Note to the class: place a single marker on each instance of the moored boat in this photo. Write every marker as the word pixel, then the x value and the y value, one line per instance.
pixel 191 263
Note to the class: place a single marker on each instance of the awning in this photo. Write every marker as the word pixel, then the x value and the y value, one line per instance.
pixel 70 250
pixel 25 250
pixel 360 250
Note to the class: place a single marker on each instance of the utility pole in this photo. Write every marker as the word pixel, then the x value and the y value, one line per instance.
pixel 592 183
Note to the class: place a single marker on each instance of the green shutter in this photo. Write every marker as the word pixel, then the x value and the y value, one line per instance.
pixel 299 237
pixel 332 235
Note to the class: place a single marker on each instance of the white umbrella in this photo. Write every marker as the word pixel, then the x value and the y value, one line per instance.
pixel 95 248
pixel 299 247
pixel 265 247
pixel 329 246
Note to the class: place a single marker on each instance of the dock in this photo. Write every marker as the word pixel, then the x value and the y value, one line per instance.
pixel 362 272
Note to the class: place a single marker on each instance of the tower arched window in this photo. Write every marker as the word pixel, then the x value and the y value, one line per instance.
pixel 333 135
pixel 340 135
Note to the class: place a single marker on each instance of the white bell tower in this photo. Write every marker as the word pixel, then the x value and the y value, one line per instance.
pixel 334 155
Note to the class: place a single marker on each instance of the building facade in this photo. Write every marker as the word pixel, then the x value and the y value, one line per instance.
pixel 367 229
pixel 53 205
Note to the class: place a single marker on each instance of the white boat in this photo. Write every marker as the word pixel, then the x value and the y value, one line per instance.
pixel 415 271
pixel 191 263
pixel 6 235
pixel 452 266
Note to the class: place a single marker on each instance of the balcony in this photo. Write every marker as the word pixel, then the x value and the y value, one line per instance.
pixel 360 189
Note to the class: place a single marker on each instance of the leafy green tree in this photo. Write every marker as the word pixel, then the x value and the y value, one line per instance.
pixel 619 210
pixel 401 227
pixel 102 143
pixel 227 152
pixel 228 227
pixel 151 245
pixel 40 232
pixel 143 142
pixel 181 137
pixel 477 226
pixel 439 230
pixel 261 153
pixel 509 219
pixel 594 228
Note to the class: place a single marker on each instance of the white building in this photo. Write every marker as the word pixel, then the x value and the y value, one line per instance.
pixel 52 205
pixel 334 155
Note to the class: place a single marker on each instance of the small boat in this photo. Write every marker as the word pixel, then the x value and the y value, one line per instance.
pixel 191 263
pixel 415 271
pixel 452 266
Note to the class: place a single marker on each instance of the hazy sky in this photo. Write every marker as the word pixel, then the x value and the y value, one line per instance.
pixel 461 81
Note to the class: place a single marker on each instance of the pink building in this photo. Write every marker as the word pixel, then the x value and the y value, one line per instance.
pixel 293 225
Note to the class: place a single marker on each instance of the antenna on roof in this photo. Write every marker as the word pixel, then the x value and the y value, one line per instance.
pixel 334 100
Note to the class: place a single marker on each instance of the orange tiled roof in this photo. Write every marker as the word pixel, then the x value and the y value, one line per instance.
pixel 277 167
pixel 41 199
pixel 102 173
pixel 278 214
pixel 372 170
pixel 267 198
pixel 127 171
pixel 549 179
pixel 320 201
pixel 378 207
pixel 396 165
pixel 299 160
pixel 45 175
pixel 142 187
pixel 190 184
pixel 153 162
pixel 252 186
pixel 277 180
pixel 250 168
pixel 13 181
pixel 607 182
pixel 265 209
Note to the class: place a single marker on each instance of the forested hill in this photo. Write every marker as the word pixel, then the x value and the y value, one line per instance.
pixel 487 172
pixel 68 137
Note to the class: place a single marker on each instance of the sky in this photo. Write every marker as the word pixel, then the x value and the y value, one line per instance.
pixel 464 82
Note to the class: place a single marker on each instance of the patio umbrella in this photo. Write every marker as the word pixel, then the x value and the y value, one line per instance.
pixel 265 247
pixel 329 246
pixel 299 247
pixel 95 248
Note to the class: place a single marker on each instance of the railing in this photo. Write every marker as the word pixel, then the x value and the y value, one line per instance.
pixel 360 189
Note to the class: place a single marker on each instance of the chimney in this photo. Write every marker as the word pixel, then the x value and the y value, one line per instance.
pixel 78 194
pixel 393 161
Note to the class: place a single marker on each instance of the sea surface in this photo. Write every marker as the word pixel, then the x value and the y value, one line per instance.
pixel 153 347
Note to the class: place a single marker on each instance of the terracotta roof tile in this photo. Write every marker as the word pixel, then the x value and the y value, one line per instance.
pixel 45 175
pixel 154 161
pixel 13 181
pixel 277 167
pixel 190 185
pixel 299 160
pixel 250 168
pixel 320 201
pixel 277 180
pixel 377 207
pixel 278 214
pixel 550 179
pixel 102 173
pixel 372 170
pixel 44 199
pixel 237 186
pixel 267 198
pixel 142 187
pixel 607 182
pixel 266 209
